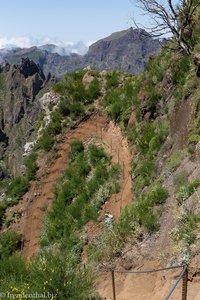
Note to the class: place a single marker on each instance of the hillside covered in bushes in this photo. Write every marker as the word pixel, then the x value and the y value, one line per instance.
pixel 158 113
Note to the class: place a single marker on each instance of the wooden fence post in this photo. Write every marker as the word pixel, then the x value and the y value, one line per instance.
pixel 184 285
pixel 113 284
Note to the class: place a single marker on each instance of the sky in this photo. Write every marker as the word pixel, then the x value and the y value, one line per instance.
pixel 27 21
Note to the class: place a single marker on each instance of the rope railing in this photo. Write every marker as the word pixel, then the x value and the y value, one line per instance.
pixel 183 275
pixel 176 283
pixel 143 271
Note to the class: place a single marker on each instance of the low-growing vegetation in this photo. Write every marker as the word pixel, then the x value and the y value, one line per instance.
pixel 185 229
pixel 186 190
pixel 18 186
pixel 75 101
pixel 88 181
pixel 142 107
pixel 135 219
pixel 174 161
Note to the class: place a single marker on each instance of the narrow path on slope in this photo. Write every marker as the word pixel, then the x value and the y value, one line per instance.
pixel 39 197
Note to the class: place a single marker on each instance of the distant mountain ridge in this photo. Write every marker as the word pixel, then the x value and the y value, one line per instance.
pixel 127 50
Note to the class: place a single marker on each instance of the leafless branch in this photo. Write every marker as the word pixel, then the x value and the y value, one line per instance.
pixel 169 17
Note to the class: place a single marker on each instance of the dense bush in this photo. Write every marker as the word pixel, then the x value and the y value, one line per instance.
pixel 18 187
pixel 55 273
pixel 157 194
pixel 144 172
pixel 97 154
pixel 174 160
pixel 77 147
pixel 14 274
pixel 31 166
pixel 77 109
pixel 46 142
pixel 93 92
pixel 154 96
pixel 2 212
pixel 10 241
pixel 112 79
pixel 64 106
pixel 185 191
pixel 185 230
pixel 180 69
pixel 55 126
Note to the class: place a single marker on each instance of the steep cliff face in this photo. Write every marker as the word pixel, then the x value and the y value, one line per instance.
pixel 127 50
pixel 19 108
pixel 48 62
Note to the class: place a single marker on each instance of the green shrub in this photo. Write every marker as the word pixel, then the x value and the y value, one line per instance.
pixel 31 166
pixel 111 97
pixel 64 106
pixel 157 194
pixel 97 154
pixel 77 109
pixel 13 270
pixel 112 79
pixel 93 91
pixel 59 88
pixel 144 136
pixel 143 171
pixel 132 134
pixel 46 142
pixel 62 276
pixel 2 212
pixel 155 69
pixel 185 191
pixel 180 179
pixel 145 216
pixel 180 69
pixel 127 225
pixel 18 187
pixel 174 160
pixel 10 241
pixel 55 126
pixel 99 177
pixel 76 147
pixel 154 96
pixel 185 231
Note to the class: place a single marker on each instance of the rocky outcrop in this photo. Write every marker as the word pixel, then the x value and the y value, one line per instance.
pixel 19 108
pixel 127 50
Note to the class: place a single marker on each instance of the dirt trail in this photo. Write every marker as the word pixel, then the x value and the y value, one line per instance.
pixel 39 197
pixel 153 286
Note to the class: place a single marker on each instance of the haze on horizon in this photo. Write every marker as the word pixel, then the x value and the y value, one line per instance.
pixel 62 22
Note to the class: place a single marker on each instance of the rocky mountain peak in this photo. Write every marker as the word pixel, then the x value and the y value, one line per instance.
pixel 29 68
pixel 127 50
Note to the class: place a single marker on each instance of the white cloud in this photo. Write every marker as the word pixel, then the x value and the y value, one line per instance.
pixel 63 48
